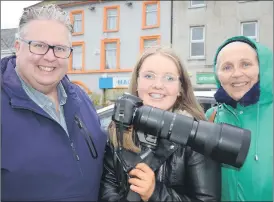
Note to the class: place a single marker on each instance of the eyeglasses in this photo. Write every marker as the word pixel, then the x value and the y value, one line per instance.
pixel 167 79
pixel 41 48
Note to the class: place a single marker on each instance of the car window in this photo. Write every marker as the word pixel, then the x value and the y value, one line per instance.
pixel 105 118
pixel 206 102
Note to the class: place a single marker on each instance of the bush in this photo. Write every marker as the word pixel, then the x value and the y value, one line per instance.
pixel 96 99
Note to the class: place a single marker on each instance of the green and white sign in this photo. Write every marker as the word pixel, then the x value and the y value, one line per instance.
pixel 205 78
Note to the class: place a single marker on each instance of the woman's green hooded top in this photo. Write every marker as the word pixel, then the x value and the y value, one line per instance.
pixel 252 182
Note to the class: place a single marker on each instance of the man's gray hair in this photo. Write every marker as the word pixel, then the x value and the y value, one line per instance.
pixel 47 12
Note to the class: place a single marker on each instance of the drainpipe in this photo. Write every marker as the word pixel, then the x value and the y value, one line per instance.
pixel 171 22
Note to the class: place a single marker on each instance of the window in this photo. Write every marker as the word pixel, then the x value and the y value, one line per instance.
pixel 110 59
pixel 111 18
pixel 77 19
pixel 77 57
pixel 149 41
pixel 197 42
pixel 151 14
pixel 195 4
pixel 250 29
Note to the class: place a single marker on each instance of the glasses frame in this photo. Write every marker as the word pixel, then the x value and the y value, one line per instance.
pixel 49 47
pixel 161 78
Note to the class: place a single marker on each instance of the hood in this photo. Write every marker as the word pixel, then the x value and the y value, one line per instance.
pixel 265 57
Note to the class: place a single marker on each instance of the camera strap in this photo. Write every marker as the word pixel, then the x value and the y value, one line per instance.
pixel 120 133
pixel 212 116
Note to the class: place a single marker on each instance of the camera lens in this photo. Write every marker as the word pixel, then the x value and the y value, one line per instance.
pixel 222 142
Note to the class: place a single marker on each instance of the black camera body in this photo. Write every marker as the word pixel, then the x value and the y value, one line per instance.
pixel 125 108
pixel 223 143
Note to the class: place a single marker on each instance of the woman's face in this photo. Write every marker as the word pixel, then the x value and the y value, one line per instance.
pixel 237 69
pixel 158 84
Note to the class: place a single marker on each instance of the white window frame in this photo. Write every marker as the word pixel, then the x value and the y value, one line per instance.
pixel 197 5
pixel 78 21
pixel 110 16
pixel 256 37
pixel 111 49
pixel 152 39
pixel 81 56
pixel 155 12
pixel 196 41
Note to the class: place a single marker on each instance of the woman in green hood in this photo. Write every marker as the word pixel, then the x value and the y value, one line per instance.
pixel 244 75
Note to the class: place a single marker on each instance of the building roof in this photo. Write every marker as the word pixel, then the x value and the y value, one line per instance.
pixel 8 38
pixel 64 3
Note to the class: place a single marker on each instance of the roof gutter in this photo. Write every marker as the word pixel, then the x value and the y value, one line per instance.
pixel 78 3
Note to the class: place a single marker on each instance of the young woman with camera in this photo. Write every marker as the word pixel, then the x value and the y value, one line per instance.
pixel 175 172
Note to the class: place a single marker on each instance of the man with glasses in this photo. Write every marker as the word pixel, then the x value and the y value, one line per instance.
pixel 52 143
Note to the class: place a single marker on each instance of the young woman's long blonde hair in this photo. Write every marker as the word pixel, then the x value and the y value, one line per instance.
pixel 186 101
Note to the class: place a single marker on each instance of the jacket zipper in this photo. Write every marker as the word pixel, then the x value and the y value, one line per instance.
pixel 162 172
pixel 87 136
pixel 77 158
pixel 75 154
pixel 234 115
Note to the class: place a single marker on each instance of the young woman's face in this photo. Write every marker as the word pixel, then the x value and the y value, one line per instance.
pixel 237 69
pixel 158 84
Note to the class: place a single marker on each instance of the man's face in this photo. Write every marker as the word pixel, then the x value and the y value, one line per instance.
pixel 42 71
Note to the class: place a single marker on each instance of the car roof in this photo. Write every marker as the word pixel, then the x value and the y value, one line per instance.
pixel 204 93
pixel 105 108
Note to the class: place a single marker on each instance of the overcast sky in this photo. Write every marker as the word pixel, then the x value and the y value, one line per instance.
pixel 11 12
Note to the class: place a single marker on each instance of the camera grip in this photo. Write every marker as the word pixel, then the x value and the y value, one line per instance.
pixel 133 196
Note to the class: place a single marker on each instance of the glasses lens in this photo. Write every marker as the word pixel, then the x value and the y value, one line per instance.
pixel 38 47
pixel 62 51
pixel 170 78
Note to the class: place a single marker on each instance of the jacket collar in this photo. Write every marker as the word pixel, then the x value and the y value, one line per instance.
pixel 251 97
pixel 13 87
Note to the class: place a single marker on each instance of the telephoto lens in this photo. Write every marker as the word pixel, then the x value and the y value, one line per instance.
pixel 223 143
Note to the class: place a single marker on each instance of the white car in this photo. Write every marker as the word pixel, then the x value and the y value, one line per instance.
pixel 205 98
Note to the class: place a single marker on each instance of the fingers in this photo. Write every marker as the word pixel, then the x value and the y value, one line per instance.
pixel 144 167
pixel 142 181
pixel 138 173
pixel 137 182
pixel 137 189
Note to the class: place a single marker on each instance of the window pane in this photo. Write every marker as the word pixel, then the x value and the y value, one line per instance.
pixel 197 49
pixel 110 51
pixel 151 19
pixel 111 46
pixel 148 43
pixel 77 58
pixel 112 12
pixel 77 16
pixel 77 25
pixel 197 33
pixel 194 3
pixel 151 14
pixel 249 29
pixel 151 7
pixel 111 23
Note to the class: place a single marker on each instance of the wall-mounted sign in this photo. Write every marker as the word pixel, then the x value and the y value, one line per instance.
pixel 121 82
pixel 114 82
pixel 205 78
